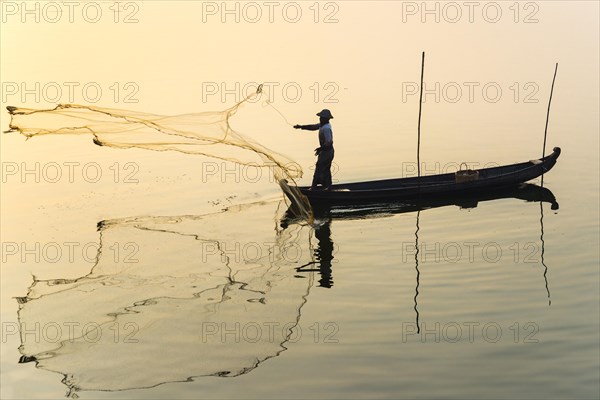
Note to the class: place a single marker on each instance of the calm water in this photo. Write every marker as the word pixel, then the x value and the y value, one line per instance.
pixel 137 274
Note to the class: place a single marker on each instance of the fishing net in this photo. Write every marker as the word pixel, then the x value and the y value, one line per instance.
pixel 205 133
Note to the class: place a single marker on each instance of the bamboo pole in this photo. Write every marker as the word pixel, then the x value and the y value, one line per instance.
pixel 548 116
pixel 419 125
pixel 548 113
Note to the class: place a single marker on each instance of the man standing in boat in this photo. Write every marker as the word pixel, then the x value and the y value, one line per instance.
pixel 324 151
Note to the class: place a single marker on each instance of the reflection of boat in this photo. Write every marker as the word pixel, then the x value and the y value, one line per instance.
pixel 433 185
pixel 526 191
pixel 190 296
pixel 322 262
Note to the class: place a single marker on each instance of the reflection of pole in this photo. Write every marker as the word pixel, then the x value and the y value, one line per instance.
pixel 548 116
pixel 417 268
pixel 542 257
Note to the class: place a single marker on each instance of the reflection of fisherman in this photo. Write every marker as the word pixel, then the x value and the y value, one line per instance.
pixel 324 151
pixel 324 254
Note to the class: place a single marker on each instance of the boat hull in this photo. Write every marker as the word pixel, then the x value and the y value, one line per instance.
pixel 377 209
pixel 433 185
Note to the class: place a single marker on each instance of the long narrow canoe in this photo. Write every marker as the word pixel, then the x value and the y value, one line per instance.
pixel 379 209
pixel 430 186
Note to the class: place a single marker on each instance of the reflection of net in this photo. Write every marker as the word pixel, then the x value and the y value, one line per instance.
pixel 195 298
pixel 207 133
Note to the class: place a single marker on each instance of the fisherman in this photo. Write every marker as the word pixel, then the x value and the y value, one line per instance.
pixel 324 151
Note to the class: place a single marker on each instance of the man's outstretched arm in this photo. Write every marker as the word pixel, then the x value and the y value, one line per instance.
pixel 313 127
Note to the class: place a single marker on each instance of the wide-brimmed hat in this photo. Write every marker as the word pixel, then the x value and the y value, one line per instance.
pixel 325 113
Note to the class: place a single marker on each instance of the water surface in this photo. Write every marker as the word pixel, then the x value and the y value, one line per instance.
pixel 501 301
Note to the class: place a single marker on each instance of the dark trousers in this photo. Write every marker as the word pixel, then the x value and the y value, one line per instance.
pixel 323 169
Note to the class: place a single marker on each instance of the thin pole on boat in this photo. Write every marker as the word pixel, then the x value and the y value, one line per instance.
pixel 548 117
pixel 548 113
pixel 419 125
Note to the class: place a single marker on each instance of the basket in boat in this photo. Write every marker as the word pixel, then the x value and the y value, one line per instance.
pixel 466 175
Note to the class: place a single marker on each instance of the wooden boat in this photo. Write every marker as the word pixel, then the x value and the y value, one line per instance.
pixel 380 209
pixel 431 186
